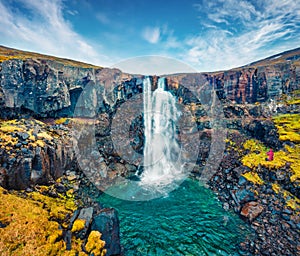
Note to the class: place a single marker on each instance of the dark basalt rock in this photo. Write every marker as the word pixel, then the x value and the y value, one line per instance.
pixel 265 131
pixel 107 223
pixel 48 88
pixel 244 196
pixel 3 177
pixel 85 214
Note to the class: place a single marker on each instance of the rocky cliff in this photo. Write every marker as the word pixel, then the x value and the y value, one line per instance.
pixel 45 86
pixel 39 86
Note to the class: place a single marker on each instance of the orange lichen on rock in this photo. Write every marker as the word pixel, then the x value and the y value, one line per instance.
pixel 94 245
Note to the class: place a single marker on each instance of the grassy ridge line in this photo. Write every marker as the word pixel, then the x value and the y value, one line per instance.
pixel 280 58
pixel 9 53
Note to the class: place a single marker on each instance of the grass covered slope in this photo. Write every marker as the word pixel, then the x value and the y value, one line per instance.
pixel 32 225
pixel 9 53
pixel 43 221
pixel 286 161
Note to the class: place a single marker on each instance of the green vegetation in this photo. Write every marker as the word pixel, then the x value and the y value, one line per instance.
pixel 253 177
pixel 288 126
pixel 32 226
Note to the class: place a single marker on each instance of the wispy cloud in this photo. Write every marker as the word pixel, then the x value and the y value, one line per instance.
pixel 72 12
pixel 151 34
pixel 102 17
pixel 41 26
pixel 238 32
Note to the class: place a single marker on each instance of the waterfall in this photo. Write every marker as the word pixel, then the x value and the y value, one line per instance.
pixel 161 149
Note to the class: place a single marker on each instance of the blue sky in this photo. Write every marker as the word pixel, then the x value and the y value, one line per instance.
pixel 202 35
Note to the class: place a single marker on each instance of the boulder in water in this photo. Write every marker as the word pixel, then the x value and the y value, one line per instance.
pixel 107 223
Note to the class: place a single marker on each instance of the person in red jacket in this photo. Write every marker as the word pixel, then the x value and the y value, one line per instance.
pixel 270 155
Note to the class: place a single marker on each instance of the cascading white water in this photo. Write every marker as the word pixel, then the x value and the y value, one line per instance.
pixel 161 149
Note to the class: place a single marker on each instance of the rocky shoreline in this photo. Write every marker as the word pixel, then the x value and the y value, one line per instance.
pixel 275 225
pixel 38 165
pixel 264 194
pixel 260 199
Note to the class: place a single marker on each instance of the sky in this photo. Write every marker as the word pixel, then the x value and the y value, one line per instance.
pixel 164 36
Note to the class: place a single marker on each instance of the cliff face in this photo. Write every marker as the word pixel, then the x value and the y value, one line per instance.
pixel 257 82
pixel 45 86
pixel 252 84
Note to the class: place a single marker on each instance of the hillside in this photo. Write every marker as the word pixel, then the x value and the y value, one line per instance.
pixel 7 53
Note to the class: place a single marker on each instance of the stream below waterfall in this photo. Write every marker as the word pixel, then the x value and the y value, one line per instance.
pixel 189 221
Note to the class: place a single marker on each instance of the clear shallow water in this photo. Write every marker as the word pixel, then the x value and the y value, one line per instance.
pixel 190 221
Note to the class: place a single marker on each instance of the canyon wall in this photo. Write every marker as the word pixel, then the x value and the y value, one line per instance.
pixel 48 88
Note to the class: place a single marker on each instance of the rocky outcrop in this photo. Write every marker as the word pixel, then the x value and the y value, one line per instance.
pixel 107 222
pixel 45 87
pixel 32 152
pixel 48 89
pixel 261 202
pixel 246 85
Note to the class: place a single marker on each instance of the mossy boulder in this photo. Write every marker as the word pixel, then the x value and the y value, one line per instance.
pixel 32 224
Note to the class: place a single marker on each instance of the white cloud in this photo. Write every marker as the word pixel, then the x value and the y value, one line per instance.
pixel 220 11
pixel 261 25
pixel 72 12
pixel 151 34
pixel 43 28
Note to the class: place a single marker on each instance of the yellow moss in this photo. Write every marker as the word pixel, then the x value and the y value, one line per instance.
pixel 95 245
pixel 70 193
pixel 8 54
pixel 8 127
pixel 78 225
pixel 31 231
pixel 293 102
pixel 288 126
pixel 11 128
pixel 254 145
pixel 253 177
pixel 28 227
pixel 290 136
pixel 276 187
pixel 58 208
pixel 40 143
pixel 291 201
pixel 44 135
pixel 281 158
pixel 61 120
